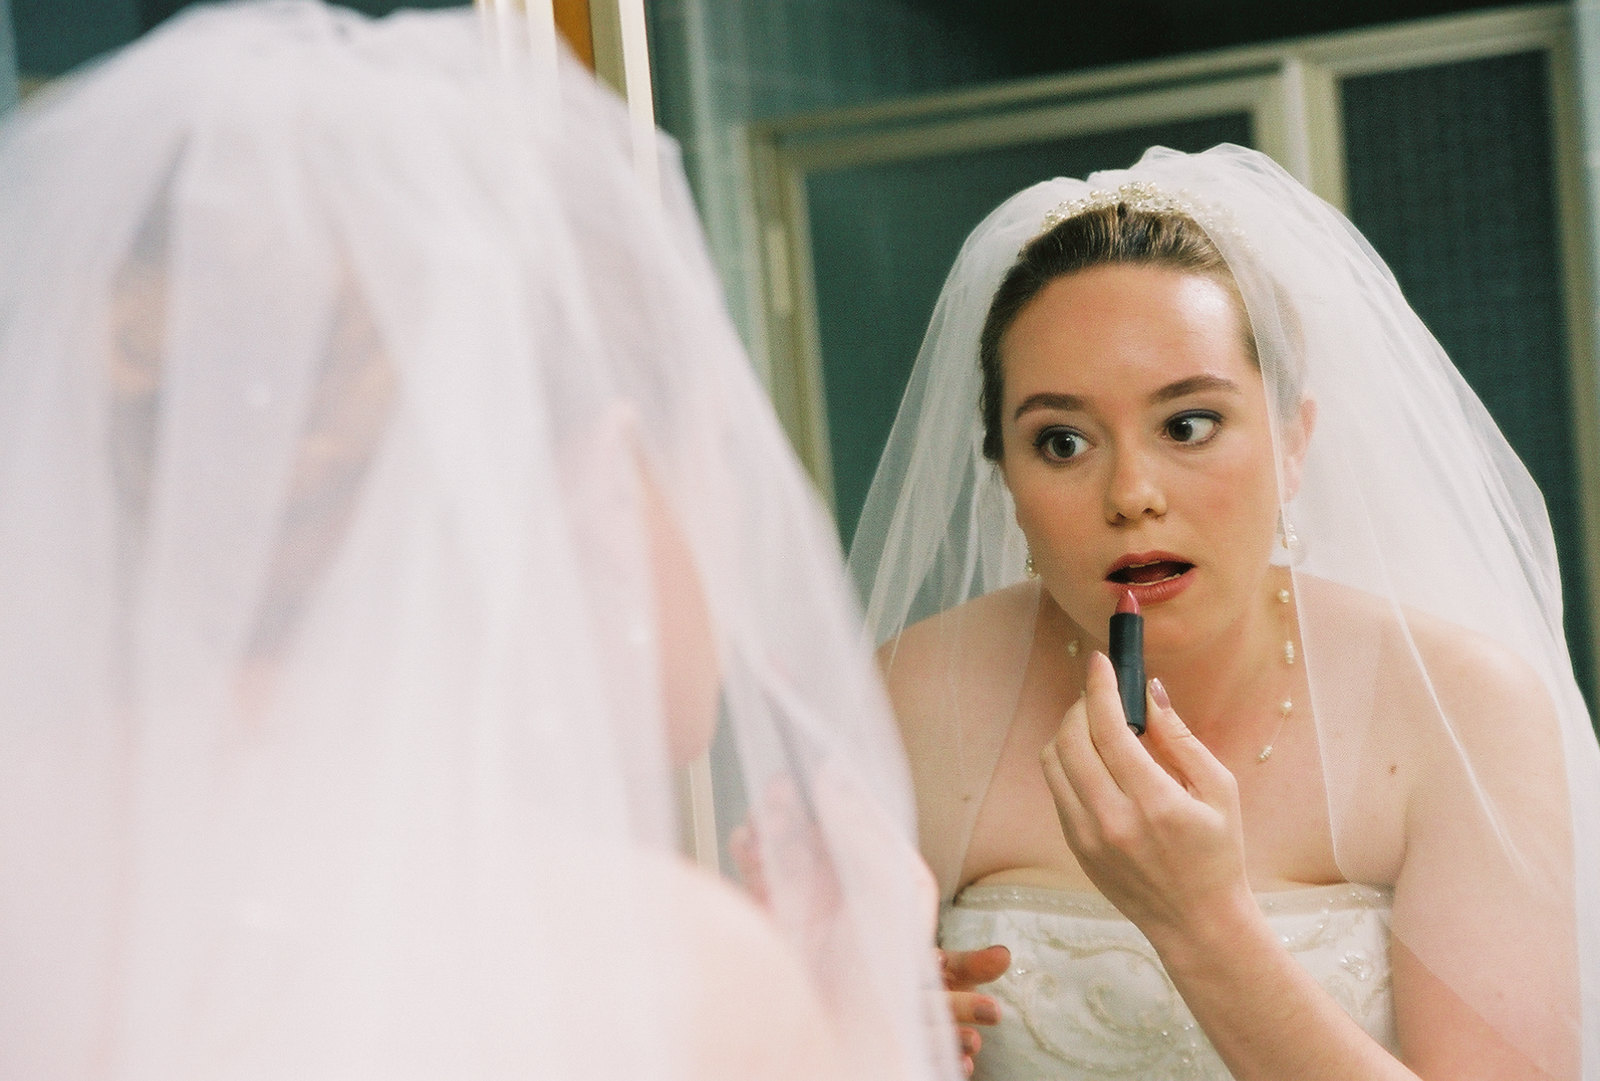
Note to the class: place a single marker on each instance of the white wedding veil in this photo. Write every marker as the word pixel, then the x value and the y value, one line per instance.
pixel 1410 498
pixel 386 507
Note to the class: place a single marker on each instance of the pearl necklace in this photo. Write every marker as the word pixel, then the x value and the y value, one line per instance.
pixel 1285 707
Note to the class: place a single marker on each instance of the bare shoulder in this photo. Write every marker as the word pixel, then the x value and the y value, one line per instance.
pixel 960 644
pixel 1478 682
pixel 954 679
pixel 751 1011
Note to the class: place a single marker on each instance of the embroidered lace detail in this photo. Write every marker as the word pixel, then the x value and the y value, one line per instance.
pixel 1086 996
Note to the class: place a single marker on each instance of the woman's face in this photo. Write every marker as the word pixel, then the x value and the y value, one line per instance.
pixel 1138 448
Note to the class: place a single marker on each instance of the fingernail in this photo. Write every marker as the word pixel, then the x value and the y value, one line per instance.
pixel 987 1013
pixel 1158 694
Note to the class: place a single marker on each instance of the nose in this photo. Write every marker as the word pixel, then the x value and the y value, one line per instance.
pixel 1133 491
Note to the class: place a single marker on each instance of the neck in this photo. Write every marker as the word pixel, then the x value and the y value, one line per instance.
pixel 1228 689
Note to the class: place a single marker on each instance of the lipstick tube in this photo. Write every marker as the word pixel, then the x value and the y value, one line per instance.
pixel 1127 658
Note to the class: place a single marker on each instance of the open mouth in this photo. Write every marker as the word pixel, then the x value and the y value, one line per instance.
pixel 1145 574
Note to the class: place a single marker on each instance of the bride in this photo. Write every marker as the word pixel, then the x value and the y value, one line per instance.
pixel 1358 838
pixel 386 509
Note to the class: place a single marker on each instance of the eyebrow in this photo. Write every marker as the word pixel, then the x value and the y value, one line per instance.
pixel 1194 384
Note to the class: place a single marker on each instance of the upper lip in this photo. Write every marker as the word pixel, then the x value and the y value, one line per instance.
pixel 1139 559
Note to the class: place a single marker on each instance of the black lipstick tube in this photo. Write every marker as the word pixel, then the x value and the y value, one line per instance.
pixel 1127 658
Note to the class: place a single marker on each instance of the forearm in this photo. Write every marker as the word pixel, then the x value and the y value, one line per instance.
pixel 1263 1012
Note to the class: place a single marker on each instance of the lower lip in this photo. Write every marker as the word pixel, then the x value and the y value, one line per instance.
pixel 1153 592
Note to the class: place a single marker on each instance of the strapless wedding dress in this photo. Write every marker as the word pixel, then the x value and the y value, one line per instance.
pixel 1086 996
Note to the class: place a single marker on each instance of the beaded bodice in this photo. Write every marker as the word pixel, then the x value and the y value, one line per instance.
pixel 1086 996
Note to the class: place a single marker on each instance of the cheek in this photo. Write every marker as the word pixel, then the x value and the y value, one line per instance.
pixel 1047 504
pixel 1061 520
pixel 1238 503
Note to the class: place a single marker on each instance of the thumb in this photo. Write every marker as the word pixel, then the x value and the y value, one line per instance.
pixel 966 969
pixel 1189 761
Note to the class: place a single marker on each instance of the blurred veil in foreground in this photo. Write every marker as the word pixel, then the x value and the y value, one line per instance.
pixel 387 510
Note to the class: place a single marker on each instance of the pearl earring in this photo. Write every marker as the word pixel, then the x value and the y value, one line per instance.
pixel 1289 540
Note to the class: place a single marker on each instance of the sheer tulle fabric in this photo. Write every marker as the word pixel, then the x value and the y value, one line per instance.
pixel 1410 498
pixel 353 399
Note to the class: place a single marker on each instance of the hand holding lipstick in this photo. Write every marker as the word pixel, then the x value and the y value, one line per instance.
pixel 1154 822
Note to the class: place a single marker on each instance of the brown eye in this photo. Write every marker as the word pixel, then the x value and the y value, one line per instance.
pixel 1060 444
pixel 1192 427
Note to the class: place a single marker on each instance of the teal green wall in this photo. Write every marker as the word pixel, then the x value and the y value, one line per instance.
pixel 54 36
pixel 720 64
pixel 1039 37
pixel 8 60
pixel 1434 157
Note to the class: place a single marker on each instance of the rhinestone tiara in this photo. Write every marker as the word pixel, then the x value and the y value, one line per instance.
pixel 1139 195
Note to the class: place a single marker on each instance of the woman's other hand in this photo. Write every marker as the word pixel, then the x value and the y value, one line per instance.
pixel 963 971
pixel 1154 823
